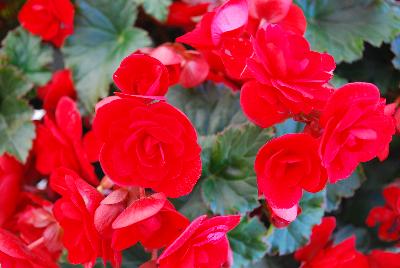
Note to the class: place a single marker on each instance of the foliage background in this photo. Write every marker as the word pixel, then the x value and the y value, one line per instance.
pixel 362 35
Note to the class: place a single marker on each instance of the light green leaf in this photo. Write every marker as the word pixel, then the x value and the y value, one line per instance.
pixel 156 8
pixel 247 241
pixel 16 128
pixel 26 52
pixel 103 37
pixel 341 27
pixel 210 108
pixel 343 189
pixel 286 240
pixel 229 184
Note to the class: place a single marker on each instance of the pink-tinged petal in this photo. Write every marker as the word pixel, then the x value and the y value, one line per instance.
pixel 231 16
pixel 194 70
pixel 139 210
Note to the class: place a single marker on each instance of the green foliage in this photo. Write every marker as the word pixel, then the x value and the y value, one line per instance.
pixel 375 67
pixel 286 240
pixel 343 189
pixel 103 37
pixel 247 241
pixel 156 8
pixel 396 51
pixel 210 108
pixel 26 52
pixel 341 27
pixel 16 128
pixel 229 184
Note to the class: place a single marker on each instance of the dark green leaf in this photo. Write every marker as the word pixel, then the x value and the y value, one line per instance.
pixel 134 257
pixel 194 205
pixel 247 241
pixel 103 37
pixel 396 51
pixel 286 240
pixel 341 27
pixel 338 81
pixel 375 67
pixel 16 128
pixel 229 184
pixel 26 52
pixel 210 108
pixel 343 189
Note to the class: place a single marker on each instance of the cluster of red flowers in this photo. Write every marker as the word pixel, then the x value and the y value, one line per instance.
pixel 322 252
pixel 148 149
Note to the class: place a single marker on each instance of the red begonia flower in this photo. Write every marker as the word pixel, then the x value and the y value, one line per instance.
pixel 320 253
pixel 234 53
pixel 203 244
pixel 59 142
pixel 61 85
pixel 320 238
pixel 152 145
pixel 271 10
pixel 383 259
pixel 295 20
pixel 15 254
pixel 228 20
pixel 75 213
pixel 186 67
pixel 152 221
pixel 194 69
pixel 171 55
pixel 387 216
pixel 11 175
pixel 35 222
pixel 284 62
pixel 140 74
pixel 356 129
pixel 52 20
pixel 184 15
pixel 91 146
pixel 260 103
pixel 287 165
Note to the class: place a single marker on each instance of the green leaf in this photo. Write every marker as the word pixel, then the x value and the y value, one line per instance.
pixel 156 8
pixel 396 51
pixel 194 205
pixel 343 189
pixel 210 108
pixel 289 126
pixel 229 184
pixel 375 67
pixel 286 240
pixel 247 241
pixel 16 128
pixel 338 81
pixel 341 27
pixel 103 37
pixel 26 52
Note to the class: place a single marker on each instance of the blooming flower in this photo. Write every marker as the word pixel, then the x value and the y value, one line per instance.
pixel 387 216
pixel 356 129
pixel 151 145
pixel 52 20
pixel 203 244
pixel 285 166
